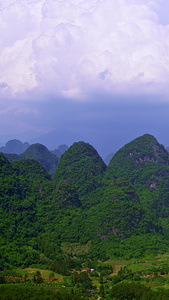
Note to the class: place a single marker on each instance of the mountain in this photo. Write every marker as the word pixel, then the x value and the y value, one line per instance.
pixel 41 154
pixel 14 146
pixel 140 154
pixel 82 165
pixel 145 164
pixel 60 150
pixel 108 158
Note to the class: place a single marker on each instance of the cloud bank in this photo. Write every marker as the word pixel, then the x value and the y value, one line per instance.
pixel 96 68
pixel 74 48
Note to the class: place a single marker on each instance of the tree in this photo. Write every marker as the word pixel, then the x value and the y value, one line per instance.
pixel 51 277
pixel 101 291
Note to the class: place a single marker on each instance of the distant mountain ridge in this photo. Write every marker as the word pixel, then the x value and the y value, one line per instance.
pixel 108 158
pixel 56 137
pixel 41 154
pixel 14 146
pixel 60 150
pixel 16 150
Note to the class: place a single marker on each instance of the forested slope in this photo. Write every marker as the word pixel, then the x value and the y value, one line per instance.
pixel 41 154
pixel 116 211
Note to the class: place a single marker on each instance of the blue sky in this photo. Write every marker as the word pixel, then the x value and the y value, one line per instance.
pixel 95 70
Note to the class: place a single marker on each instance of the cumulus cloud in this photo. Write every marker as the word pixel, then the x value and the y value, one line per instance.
pixel 75 47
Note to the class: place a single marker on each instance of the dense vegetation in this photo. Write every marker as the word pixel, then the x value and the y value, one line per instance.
pixel 85 213
pixel 41 154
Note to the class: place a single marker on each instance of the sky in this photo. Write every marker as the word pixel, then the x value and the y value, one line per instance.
pixel 92 70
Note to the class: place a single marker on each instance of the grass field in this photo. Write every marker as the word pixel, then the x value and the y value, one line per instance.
pixel 151 271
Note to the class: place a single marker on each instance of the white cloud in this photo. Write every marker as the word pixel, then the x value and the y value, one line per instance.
pixel 74 47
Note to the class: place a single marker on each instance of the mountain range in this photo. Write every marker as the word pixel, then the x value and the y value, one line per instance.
pixel 115 211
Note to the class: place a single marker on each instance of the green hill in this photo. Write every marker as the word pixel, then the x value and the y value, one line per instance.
pixel 131 160
pixel 41 154
pixel 83 166
pixel 145 164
